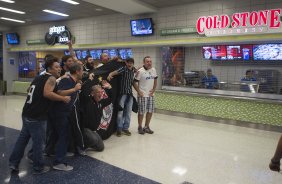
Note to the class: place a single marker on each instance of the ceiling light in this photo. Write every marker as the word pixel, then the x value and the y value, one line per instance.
pixel 14 20
pixel 11 10
pixel 98 9
pixel 71 2
pixel 56 13
pixel 8 1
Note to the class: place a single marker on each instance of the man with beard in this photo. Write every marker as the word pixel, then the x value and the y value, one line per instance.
pixel 89 63
pixel 34 116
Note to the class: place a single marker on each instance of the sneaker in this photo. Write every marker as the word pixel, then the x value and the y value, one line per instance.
pixel 69 154
pixel 140 131
pixel 119 133
pixel 126 132
pixel 43 170
pixel 148 130
pixel 81 152
pixel 63 167
pixel 14 168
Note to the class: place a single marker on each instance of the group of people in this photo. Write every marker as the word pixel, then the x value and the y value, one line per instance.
pixel 83 103
pixel 75 107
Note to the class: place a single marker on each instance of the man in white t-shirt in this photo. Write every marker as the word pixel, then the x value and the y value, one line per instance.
pixel 145 84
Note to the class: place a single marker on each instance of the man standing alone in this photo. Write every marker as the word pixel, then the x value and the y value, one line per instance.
pixel 145 84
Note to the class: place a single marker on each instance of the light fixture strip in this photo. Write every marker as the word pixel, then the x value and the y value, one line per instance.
pixel 11 10
pixel 71 2
pixel 13 20
pixel 8 1
pixel 56 13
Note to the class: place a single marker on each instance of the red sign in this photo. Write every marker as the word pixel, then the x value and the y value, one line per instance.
pixel 240 23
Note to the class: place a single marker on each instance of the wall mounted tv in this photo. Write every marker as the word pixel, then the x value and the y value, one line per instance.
pixel 84 53
pixel 67 53
pixel 267 52
pixel 141 27
pixel 13 38
pixel 217 52
pixel 95 53
pixel 113 53
pixel 125 53
pixel 78 54
pixel 239 52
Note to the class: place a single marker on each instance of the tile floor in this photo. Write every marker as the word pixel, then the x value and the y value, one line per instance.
pixel 181 150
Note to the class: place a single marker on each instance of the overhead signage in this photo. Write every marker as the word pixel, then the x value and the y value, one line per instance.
pixel 57 34
pixel 255 22
pixel 35 42
pixel 176 31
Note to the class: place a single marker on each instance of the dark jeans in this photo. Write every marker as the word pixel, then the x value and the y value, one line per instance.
pixel 93 140
pixel 34 129
pixel 61 124
pixel 51 135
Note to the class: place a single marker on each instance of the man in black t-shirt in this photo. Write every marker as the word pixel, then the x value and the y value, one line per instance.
pixel 61 113
pixel 40 95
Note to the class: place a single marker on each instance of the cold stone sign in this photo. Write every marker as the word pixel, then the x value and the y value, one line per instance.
pixel 57 34
pixel 255 22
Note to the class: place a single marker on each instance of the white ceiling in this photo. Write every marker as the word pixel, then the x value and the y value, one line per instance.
pixel 86 8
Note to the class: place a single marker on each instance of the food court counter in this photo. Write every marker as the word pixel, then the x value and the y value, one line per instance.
pixel 249 107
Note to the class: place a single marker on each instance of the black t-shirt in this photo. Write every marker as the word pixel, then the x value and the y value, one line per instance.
pixel 65 84
pixel 36 105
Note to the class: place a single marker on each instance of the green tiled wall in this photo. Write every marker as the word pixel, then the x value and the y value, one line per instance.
pixel 235 109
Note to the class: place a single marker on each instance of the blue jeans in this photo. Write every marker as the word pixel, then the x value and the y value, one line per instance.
pixel 124 115
pixel 61 124
pixel 34 129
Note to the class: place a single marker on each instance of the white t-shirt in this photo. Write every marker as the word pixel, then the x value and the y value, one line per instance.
pixel 146 80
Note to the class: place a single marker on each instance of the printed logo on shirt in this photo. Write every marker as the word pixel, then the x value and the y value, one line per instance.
pixel 106 117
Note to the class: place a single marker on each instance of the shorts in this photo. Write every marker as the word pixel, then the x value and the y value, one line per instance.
pixel 146 104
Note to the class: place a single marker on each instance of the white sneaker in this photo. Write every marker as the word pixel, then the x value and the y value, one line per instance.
pixel 63 167
pixel 69 154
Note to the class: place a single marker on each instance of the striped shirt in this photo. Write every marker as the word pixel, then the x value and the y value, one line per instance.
pixel 127 77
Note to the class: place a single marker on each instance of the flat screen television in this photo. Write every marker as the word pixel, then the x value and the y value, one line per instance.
pixel 247 52
pixel 98 53
pixel 93 54
pixel 234 52
pixel 129 53
pixel 125 53
pixel 141 27
pixel 113 53
pixel 84 53
pixel 78 54
pixel 13 38
pixel 207 52
pixel 106 51
pixel 267 52
pixel 67 53
pixel 217 52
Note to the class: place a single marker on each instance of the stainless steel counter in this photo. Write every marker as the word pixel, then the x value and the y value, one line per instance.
pixel 270 98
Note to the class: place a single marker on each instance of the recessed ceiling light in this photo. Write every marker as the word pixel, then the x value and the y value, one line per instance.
pixel 14 20
pixel 98 9
pixel 8 1
pixel 56 13
pixel 11 10
pixel 71 2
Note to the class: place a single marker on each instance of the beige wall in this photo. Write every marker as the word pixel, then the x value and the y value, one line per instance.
pixel 116 28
